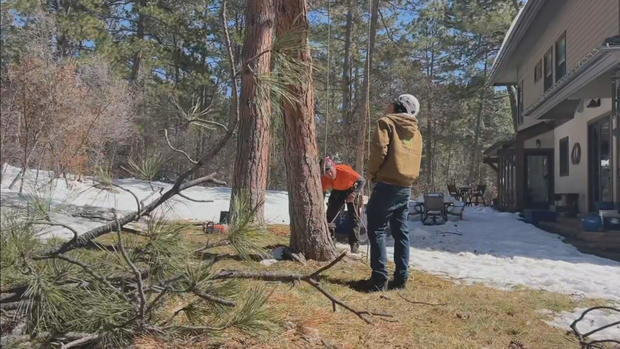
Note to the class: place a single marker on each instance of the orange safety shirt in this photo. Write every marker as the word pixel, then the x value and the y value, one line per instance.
pixel 346 177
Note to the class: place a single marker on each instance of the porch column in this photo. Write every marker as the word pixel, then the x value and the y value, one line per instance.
pixel 615 110
pixel 519 203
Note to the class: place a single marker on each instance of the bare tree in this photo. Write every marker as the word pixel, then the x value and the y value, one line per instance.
pixel 64 109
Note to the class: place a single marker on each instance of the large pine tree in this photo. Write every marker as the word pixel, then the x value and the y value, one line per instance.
pixel 254 139
pixel 309 233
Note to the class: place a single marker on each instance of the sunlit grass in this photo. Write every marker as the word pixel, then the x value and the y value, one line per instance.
pixel 472 316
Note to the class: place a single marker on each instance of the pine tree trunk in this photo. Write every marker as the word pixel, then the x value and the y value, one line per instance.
pixel 362 124
pixel 254 138
pixel 137 57
pixel 309 233
pixel 474 170
pixel 429 138
pixel 346 66
pixel 512 95
pixel 429 134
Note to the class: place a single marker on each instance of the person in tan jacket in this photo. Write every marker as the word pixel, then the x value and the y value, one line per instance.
pixel 394 164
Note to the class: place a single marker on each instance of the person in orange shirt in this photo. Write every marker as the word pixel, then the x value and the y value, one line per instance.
pixel 345 185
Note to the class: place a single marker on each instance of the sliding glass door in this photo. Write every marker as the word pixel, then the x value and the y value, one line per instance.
pixel 600 162
pixel 539 179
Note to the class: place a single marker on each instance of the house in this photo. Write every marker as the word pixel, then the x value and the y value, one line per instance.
pixel 563 57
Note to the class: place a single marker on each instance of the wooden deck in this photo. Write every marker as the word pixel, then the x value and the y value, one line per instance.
pixel 603 244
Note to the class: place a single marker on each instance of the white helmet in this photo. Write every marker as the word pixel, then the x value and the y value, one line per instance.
pixel 410 103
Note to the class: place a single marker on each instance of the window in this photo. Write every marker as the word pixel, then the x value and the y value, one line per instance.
pixel 564 157
pixel 548 63
pixel 560 57
pixel 520 103
pixel 538 71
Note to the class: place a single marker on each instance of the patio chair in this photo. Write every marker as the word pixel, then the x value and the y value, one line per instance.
pixel 477 196
pixel 454 192
pixel 434 207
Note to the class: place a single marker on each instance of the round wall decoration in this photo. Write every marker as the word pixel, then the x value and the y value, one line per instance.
pixel 575 155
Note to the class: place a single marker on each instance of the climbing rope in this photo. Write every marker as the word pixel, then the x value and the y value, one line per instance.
pixel 367 158
pixel 364 163
pixel 329 32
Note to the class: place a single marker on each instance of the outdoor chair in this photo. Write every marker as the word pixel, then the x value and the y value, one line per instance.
pixel 434 207
pixel 454 192
pixel 477 196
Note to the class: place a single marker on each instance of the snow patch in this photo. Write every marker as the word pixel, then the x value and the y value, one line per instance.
pixel 593 320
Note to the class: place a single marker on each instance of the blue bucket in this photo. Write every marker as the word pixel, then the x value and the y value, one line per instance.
pixel 592 223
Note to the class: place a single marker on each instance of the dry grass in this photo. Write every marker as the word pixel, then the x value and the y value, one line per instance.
pixel 470 316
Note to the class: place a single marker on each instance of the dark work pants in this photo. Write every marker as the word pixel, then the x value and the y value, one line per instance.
pixel 335 204
pixel 388 204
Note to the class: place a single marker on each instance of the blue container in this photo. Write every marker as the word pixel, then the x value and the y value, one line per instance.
pixel 592 223
pixel 612 223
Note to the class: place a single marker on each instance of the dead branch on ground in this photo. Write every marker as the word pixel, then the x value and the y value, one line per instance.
pixel 584 341
pixel 312 279
pixel 418 302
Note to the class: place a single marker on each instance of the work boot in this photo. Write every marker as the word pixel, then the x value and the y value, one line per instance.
pixel 397 284
pixel 374 286
pixel 355 247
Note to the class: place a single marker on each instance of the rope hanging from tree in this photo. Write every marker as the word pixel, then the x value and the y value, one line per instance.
pixel 368 66
pixel 367 118
pixel 329 32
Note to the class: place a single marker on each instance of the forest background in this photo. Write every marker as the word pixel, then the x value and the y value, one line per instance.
pixel 136 65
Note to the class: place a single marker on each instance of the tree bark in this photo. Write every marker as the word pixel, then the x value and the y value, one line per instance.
pixel 346 66
pixel 137 57
pixel 309 233
pixel 254 138
pixel 512 95
pixel 362 124
pixel 429 134
pixel 474 170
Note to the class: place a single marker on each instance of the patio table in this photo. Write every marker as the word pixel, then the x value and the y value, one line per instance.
pixel 417 207
pixel 465 192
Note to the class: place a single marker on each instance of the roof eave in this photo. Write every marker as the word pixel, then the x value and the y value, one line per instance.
pixel 598 62
pixel 513 37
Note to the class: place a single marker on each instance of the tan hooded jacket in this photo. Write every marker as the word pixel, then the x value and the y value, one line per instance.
pixel 396 150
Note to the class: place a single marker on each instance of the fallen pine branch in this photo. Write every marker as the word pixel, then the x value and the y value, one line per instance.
pixel 214 299
pixel 311 279
pixel 193 200
pixel 80 341
pixel 136 289
pixel 83 239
